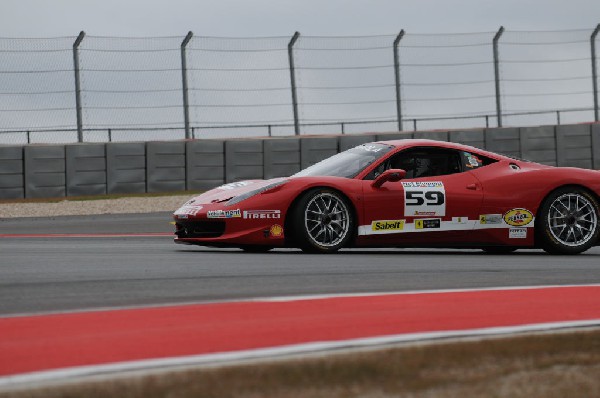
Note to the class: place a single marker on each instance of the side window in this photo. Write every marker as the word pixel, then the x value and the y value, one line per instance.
pixel 422 162
pixel 472 161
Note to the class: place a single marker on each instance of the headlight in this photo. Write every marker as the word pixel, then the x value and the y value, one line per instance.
pixel 250 194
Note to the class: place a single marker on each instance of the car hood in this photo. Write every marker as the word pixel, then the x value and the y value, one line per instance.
pixel 231 190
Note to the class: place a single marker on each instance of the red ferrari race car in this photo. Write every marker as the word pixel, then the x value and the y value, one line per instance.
pixel 404 193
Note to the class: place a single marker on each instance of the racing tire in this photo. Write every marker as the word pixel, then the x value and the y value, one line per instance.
pixel 568 221
pixel 322 221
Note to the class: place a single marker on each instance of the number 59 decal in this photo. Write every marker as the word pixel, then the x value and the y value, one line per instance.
pixel 424 199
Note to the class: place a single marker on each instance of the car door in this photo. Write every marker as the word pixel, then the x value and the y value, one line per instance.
pixel 438 202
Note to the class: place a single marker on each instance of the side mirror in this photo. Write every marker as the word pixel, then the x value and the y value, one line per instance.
pixel 391 175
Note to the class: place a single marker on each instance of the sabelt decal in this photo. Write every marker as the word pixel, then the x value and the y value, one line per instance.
pixel 387 225
pixel 187 210
pixel 517 233
pixel 425 198
pixel 428 223
pixel 518 217
pixel 262 214
pixel 224 213
pixel 276 231
pixel 490 219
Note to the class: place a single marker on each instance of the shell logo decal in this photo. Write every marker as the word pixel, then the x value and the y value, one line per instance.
pixel 276 231
pixel 518 217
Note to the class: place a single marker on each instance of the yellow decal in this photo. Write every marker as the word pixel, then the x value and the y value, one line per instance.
pixel 276 231
pixel 518 217
pixel 387 225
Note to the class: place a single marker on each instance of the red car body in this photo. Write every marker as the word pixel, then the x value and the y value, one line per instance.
pixel 491 205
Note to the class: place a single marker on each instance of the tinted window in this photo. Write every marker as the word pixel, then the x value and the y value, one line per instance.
pixel 474 161
pixel 348 163
pixel 422 162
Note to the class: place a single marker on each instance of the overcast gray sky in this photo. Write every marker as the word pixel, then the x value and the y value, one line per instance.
pixel 44 18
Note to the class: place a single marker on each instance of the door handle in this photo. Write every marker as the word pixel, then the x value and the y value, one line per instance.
pixel 473 187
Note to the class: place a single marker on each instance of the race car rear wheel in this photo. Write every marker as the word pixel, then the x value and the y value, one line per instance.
pixel 568 221
pixel 323 221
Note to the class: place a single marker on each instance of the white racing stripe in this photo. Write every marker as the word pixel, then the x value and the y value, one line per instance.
pixel 465 225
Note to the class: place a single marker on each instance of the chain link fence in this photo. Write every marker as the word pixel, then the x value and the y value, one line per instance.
pixel 140 89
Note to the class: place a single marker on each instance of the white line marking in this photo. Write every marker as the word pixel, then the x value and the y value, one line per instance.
pixel 297 298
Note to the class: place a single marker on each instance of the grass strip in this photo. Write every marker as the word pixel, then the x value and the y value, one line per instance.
pixel 541 365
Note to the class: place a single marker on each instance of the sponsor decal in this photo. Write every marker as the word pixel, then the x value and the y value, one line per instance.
pixel 490 219
pixel 276 230
pixel 472 160
pixel 387 225
pixel 262 214
pixel 424 198
pixel 428 223
pixel 460 220
pixel 518 217
pixel 235 185
pixel 224 213
pixel 517 233
pixel 187 210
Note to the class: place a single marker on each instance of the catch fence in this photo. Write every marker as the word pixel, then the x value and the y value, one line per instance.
pixel 98 89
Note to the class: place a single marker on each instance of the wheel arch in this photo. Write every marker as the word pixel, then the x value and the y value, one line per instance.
pixel 287 226
pixel 577 186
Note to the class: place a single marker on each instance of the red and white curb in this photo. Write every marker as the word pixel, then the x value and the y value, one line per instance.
pixel 66 346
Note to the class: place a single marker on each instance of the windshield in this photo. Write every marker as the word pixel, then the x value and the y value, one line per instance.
pixel 348 163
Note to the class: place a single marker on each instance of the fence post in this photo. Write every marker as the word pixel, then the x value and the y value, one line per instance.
pixel 78 85
pixel 595 72
pixel 184 84
pixel 397 74
pixel 293 81
pixel 497 75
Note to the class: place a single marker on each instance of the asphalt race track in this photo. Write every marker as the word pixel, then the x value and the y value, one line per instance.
pixel 47 274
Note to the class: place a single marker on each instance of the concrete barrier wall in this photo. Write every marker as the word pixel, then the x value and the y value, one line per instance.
pixel 575 146
pixel 11 173
pixel 538 144
pixel 126 167
pixel 350 141
pixel 205 164
pixel 86 169
pixel 243 160
pixel 596 146
pixel 89 169
pixel 165 166
pixel 505 141
pixel 431 135
pixel 45 171
pixel 315 149
pixel 474 137
pixel 281 157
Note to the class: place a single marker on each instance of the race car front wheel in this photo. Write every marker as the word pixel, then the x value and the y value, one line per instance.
pixel 323 221
pixel 568 221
